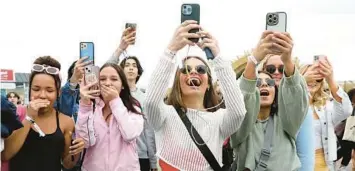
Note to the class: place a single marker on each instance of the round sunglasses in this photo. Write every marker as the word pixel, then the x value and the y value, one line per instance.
pixel 200 69
pixel 272 69
pixel 268 81
pixel 47 69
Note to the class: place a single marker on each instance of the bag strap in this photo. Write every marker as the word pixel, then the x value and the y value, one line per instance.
pixel 196 138
pixel 266 150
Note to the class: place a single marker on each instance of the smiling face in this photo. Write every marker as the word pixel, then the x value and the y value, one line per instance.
pixel 266 87
pixel 193 78
pixel 274 66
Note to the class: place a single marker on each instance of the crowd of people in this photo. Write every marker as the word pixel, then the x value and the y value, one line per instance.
pixel 272 115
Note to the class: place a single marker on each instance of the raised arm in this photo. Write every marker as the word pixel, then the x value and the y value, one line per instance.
pixel 233 115
pixel 248 87
pixel 130 124
pixel 155 108
pixel 128 38
pixel 341 107
pixel 293 109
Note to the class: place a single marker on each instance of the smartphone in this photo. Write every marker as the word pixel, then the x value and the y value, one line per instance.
pixel 317 58
pixel 276 21
pixel 133 26
pixel 191 12
pixel 91 75
pixel 87 50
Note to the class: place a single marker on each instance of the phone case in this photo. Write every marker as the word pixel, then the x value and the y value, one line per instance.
pixel 133 26
pixel 87 49
pixel 191 12
pixel 276 21
pixel 91 76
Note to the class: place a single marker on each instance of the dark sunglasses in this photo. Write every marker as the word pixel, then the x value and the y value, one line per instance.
pixel 268 81
pixel 272 69
pixel 47 69
pixel 200 69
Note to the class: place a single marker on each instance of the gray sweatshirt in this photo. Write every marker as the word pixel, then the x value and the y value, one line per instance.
pixel 146 141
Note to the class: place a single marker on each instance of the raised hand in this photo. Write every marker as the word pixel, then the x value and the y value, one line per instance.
pixel 208 41
pixel 182 35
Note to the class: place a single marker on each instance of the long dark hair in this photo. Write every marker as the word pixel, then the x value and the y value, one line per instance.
pixel 211 99
pixel 128 100
pixel 274 105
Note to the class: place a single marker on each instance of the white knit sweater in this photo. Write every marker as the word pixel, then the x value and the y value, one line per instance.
pixel 174 144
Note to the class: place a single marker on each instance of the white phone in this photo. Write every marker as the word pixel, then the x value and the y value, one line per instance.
pixel 276 21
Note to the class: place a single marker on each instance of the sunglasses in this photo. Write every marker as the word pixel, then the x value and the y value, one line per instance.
pixel 47 69
pixel 272 69
pixel 200 69
pixel 268 81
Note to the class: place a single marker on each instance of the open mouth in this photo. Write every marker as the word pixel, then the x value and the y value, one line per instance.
pixel 264 92
pixel 193 82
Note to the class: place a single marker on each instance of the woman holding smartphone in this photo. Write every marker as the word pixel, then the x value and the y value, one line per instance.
pixel 266 138
pixel 326 113
pixel 193 94
pixel 109 121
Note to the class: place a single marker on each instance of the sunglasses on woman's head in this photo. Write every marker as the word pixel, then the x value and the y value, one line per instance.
pixel 270 82
pixel 272 69
pixel 200 69
pixel 47 69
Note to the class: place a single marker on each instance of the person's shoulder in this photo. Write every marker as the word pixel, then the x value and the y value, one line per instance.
pixel 66 120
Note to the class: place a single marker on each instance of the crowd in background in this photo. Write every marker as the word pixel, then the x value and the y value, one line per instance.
pixel 273 114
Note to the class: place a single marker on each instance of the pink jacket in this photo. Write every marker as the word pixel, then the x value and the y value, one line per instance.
pixel 113 147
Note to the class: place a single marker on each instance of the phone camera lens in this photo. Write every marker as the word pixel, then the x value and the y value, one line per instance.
pixel 185 7
pixel 270 16
pixel 275 18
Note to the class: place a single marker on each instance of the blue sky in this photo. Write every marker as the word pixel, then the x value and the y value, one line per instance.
pixel 44 27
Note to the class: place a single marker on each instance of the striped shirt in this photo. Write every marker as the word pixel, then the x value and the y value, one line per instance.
pixel 174 144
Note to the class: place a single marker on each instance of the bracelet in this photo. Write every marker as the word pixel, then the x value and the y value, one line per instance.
pixel 253 59
pixel 73 85
pixel 170 53
pixel 36 127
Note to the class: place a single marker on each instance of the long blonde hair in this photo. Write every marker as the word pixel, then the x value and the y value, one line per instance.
pixel 320 97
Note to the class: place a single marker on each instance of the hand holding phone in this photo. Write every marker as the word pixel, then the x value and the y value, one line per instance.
pixel 191 12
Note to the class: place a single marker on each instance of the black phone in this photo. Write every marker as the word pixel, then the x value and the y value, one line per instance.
pixel 191 12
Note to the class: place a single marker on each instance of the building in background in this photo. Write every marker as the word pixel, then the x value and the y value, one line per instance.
pixel 15 82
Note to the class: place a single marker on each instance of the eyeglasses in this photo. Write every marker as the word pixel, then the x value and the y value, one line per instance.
pixel 272 69
pixel 47 69
pixel 268 81
pixel 200 69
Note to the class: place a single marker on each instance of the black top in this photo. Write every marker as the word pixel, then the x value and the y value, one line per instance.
pixel 40 153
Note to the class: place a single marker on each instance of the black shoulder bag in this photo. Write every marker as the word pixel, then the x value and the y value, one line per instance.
pixel 206 152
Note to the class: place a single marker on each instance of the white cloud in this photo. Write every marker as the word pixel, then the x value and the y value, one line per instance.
pixel 55 28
